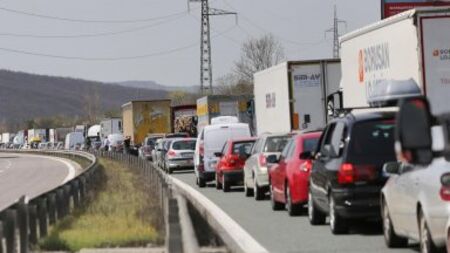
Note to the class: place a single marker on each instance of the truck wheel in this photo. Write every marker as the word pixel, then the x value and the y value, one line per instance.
pixel 218 184
pixel 338 225
pixel 226 184
pixel 248 192
pixel 315 216
pixel 390 237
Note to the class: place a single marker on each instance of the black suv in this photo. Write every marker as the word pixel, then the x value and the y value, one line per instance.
pixel 347 176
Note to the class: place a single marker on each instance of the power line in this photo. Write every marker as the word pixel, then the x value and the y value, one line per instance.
pixel 90 35
pixel 134 57
pixel 36 15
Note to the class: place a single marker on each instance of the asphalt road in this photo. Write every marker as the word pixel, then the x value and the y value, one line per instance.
pixel 278 232
pixel 31 175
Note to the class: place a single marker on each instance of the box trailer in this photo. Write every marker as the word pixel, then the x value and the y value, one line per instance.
pixel 141 118
pixel 413 45
pixel 212 106
pixel 294 95
pixel 110 126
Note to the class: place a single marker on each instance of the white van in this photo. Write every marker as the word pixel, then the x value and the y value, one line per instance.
pixel 211 140
pixel 74 140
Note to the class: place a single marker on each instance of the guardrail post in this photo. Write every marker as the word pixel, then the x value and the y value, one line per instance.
pixel 1 236
pixel 23 220
pixel 10 230
pixel 82 189
pixel 67 195
pixel 60 203
pixel 42 213
pixel 52 208
pixel 174 239
pixel 75 193
pixel 32 212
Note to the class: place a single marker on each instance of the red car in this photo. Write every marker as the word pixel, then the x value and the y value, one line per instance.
pixel 229 169
pixel 289 178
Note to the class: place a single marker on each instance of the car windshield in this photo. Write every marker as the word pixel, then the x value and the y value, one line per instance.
pixel 310 144
pixel 243 148
pixel 372 141
pixel 184 145
pixel 276 143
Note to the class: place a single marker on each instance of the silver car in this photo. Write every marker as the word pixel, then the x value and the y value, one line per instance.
pixel 161 151
pixel 180 154
pixel 256 179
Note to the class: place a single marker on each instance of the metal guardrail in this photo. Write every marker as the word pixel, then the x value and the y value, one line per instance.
pixel 24 222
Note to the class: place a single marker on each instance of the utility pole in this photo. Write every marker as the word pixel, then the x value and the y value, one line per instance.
pixel 335 31
pixel 206 77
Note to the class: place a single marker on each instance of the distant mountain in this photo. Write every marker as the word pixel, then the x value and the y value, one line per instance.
pixel 156 86
pixel 25 96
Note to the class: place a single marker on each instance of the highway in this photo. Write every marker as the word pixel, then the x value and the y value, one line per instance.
pixel 278 232
pixel 32 175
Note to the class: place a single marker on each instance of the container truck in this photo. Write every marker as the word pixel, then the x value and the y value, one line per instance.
pixel 382 57
pixel 141 118
pixel 110 126
pixel 212 106
pixel 294 95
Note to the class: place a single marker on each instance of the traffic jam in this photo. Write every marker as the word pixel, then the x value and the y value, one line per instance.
pixel 366 137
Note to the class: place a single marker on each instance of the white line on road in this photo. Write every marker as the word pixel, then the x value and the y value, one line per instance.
pixel 69 166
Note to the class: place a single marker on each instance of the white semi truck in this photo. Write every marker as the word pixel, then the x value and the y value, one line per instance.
pixel 293 95
pixel 379 59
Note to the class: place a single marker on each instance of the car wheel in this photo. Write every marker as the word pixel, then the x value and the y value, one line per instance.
pixel 201 182
pixel 426 242
pixel 169 170
pixel 293 209
pixel 225 184
pixel 218 184
pixel 257 191
pixel 315 216
pixel 275 204
pixel 390 237
pixel 248 192
pixel 338 224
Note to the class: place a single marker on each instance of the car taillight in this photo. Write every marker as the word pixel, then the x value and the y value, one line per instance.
pixel 262 160
pixel 306 166
pixel 232 160
pixel 445 188
pixel 350 173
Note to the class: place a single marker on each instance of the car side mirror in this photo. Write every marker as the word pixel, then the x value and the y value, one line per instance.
pixel 272 159
pixel 391 168
pixel 218 154
pixel 413 131
pixel 307 155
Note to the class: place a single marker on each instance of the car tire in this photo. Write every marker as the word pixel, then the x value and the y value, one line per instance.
pixel 315 216
pixel 248 191
pixel 276 206
pixel 426 242
pixel 338 225
pixel 218 184
pixel 293 209
pixel 390 237
pixel 225 184
pixel 169 170
pixel 201 182
pixel 257 191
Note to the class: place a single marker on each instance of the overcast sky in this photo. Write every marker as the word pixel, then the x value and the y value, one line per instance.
pixel 298 24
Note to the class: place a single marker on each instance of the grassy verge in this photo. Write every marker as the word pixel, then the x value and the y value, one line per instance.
pixel 120 214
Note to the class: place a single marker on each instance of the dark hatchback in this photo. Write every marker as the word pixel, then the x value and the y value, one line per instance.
pixel 347 176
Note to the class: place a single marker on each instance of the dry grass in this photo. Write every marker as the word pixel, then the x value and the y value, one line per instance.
pixel 120 214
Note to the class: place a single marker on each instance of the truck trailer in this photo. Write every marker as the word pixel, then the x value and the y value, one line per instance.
pixel 212 106
pixel 184 119
pixel 110 126
pixel 387 56
pixel 294 95
pixel 141 118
